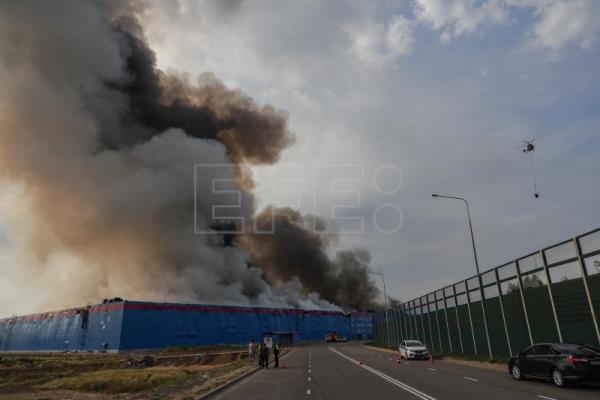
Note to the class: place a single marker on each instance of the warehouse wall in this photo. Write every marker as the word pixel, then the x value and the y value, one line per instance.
pixel 86 328
pixel 131 325
pixel 153 325
pixel 551 295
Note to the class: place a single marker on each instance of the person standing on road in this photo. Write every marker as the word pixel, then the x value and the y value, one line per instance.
pixel 265 355
pixel 276 355
pixel 251 351
pixel 261 355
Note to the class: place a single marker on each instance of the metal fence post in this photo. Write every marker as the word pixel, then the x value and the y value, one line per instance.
pixel 429 323
pixel 413 321
pixel 387 328
pixel 470 318
pixel 394 325
pixel 374 325
pixel 584 276
pixel 462 348
pixel 419 319
pixel 379 338
pixel 437 321
pixel 408 319
pixel 523 301
pixel 403 320
pixel 401 338
pixel 416 321
pixel 502 311
pixel 422 318
pixel 547 273
pixel 447 323
pixel 400 332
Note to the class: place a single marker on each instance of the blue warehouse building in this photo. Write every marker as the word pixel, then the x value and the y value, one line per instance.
pixel 133 325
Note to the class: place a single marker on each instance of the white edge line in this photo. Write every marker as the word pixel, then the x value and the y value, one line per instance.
pixel 391 380
pixel 545 397
pixel 472 379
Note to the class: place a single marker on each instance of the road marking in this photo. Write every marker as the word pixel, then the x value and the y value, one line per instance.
pixel 388 378
pixel 309 371
pixel 309 378
pixel 432 369
pixel 545 397
pixel 308 392
pixel 471 379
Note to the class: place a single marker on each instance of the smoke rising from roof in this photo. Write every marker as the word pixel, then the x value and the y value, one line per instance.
pixel 98 148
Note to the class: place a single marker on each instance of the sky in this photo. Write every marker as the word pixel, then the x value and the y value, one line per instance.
pixel 402 99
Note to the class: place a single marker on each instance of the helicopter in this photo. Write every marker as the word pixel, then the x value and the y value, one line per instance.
pixel 528 148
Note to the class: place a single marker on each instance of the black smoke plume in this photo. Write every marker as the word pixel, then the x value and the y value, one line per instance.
pixel 298 247
pixel 97 155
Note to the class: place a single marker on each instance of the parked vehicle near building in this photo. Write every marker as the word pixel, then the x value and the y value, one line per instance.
pixel 335 337
pixel 562 363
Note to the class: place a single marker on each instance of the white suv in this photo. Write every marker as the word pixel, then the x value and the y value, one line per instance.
pixel 411 349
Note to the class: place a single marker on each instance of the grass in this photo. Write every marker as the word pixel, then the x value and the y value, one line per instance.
pixel 181 372
pixel 168 351
pixel 474 357
pixel 459 356
pixel 120 381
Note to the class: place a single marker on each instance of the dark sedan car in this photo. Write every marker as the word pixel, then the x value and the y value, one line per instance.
pixel 560 362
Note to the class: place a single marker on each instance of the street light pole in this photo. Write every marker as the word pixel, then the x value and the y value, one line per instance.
pixel 387 321
pixel 485 324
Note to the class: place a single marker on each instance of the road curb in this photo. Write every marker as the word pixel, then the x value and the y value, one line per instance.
pixel 235 380
pixel 466 363
pixel 380 349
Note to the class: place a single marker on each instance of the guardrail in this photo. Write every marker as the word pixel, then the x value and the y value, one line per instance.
pixel 551 295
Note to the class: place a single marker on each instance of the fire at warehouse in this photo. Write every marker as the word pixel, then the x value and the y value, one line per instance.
pixel 98 148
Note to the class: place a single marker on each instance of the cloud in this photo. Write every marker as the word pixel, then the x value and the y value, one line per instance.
pixel 453 18
pixel 563 23
pixel 557 23
pixel 376 43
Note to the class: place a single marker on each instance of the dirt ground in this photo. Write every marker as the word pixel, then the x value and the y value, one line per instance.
pixel 172 374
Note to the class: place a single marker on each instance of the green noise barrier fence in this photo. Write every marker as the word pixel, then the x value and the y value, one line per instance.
pixel 552 295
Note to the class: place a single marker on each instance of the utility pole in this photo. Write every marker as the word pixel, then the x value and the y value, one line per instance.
pixel 485 324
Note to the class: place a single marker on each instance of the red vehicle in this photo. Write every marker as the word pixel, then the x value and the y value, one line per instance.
pixel 334 337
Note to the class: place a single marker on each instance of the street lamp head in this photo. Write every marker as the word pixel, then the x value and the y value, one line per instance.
pixel 435 195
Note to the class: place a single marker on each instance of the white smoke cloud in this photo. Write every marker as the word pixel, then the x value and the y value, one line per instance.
pixel 86 222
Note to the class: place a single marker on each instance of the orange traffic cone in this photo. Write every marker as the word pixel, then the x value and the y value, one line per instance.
pixel 282 364
pixel 430 358
pixel 360 361
pixel 398 360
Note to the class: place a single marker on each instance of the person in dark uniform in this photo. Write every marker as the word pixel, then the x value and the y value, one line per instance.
pixel 276 355
pixel 261 355
pixel 265 352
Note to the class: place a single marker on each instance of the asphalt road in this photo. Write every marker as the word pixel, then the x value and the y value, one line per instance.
pixel 331 372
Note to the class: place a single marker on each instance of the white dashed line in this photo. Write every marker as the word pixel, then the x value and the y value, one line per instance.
pixel 309 371
pixel 432 369
pixel 545 397
pixel 309 378
pixel 471 379
pixel 308 392
pixel 401 385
